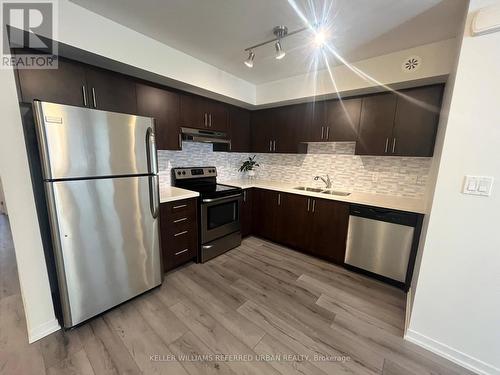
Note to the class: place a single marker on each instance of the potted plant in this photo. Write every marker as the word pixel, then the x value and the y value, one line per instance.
pixel 249 165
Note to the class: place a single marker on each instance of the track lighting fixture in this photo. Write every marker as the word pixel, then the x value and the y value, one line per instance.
pixel 249 60
pixel 280 53
pixel 280 33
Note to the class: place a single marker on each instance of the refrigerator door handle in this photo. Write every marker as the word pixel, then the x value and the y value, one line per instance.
pixel 151 149
pixel 154 196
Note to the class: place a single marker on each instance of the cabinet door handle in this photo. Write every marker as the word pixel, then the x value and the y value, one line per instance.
pixel 279 199
pixel 386 144
pixel 180 206
pixel 244 195
pixel 322 132
pixel 180 141
pixel 394 145
pixel 209 120
pixel 327 133
pixel 205 121
pixel 314 205
pixel 84 92
pixel 270 145
pixel 94 100
pixel 180 233
pixel 308 204
pixel 180 252
pixel 180 220
pixel 274 146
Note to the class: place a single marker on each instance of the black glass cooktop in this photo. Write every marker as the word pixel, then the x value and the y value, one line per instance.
pixel 211 190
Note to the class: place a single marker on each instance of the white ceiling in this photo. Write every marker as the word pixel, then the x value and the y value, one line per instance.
pixel 217 31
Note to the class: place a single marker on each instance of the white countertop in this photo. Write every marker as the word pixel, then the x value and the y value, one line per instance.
pixel 171 193
pixel 417 205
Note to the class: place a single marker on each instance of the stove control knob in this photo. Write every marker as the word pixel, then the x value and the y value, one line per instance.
pixel 183 172
pixel 178 172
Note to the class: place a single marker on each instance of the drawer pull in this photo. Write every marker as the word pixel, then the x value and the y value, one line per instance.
pixel 180 252
pixel 180 206
pixel 180 233
pixel 180 220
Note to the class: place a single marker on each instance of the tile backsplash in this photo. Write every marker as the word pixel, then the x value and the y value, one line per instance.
pixel 401 176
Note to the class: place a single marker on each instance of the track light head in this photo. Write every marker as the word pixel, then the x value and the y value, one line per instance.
pixel 280 53
pixel 249 60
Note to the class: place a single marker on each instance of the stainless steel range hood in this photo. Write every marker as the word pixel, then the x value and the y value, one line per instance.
pixel 205 136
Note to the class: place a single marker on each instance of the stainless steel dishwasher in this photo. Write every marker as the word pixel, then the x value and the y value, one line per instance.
pixel 383 242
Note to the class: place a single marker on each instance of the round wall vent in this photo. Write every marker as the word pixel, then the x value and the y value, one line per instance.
pixel 411 64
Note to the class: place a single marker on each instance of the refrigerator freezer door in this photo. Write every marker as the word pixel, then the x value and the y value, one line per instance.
pixel 105 242
pixel 81 142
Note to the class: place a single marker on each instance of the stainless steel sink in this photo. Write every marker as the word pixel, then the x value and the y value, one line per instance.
pixel 312 189
pixel 335 192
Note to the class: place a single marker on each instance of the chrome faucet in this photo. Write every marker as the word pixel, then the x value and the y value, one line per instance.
pixel 326 180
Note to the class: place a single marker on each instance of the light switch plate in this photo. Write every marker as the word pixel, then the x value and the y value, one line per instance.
pixel 478 185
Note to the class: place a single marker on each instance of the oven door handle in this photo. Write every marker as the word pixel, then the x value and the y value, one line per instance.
pixel 221 198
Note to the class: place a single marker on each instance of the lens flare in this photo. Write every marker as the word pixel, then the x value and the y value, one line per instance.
pixel 321 39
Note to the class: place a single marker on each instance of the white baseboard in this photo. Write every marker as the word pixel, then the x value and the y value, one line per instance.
pixel 43 330
pixel 452 354
pixel 408 310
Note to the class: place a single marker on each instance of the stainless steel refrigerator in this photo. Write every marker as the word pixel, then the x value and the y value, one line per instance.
pixel 101 183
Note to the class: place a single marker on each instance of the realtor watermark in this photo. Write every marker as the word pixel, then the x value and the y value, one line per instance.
pixel 247 357
pixel 29 34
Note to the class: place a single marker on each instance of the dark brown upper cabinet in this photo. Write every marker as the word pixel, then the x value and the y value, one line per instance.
pixel 164 106
pixel 333 120
pixel 342 120
pixel 402 124
pixel 239 129
pixel 376 124
pixel 201 113
pixel 416 122
pixel 315 123
pixel 289 132
pixel 261 125
pixel 278 130
pixel 81 85
pixel 111 91
pixel 64 85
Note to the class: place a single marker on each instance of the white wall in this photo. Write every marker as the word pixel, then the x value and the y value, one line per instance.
pixel 89 31
pixel 437 60
pixel 18 191
pixel 86 30
pixel 456 310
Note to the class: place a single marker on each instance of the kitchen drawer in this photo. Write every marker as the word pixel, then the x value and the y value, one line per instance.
pixel 184 207
pixel 175 227
pixel 180 249
pixel 179 232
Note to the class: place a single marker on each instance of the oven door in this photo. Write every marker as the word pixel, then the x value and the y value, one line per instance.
pixel 219 217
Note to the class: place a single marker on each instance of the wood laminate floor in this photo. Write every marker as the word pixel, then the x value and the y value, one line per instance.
pixel 258 309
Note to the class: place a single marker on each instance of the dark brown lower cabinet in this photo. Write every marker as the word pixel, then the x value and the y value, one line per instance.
pixel 293 220
pixel 316 226
pixel 246 213
pixel 264 213
pixel 179 232
pixel 328 230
